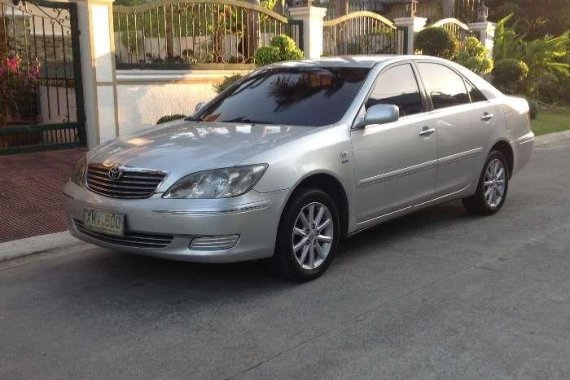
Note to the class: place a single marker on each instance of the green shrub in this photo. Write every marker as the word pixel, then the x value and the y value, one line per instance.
pixel 555 89
pixel 227 82
pixel 510 74
pixel 288 50
pixel 281 48
pixel 267 55
pixel 438 42
pixel 167 118
pixel 474 56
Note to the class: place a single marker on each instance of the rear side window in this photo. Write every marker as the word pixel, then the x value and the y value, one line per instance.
pixel 443 85
pixel 398 86
pixel 474 93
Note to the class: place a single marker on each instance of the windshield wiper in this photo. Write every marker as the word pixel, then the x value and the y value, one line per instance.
pixel 246 120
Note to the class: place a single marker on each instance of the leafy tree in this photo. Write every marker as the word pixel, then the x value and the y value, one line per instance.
pixel 546 57
pixel 538 18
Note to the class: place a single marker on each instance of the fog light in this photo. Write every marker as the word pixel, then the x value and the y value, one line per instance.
pixel 213 243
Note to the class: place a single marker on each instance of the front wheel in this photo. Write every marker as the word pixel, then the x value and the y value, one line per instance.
pixel 308 236
pixel 492 188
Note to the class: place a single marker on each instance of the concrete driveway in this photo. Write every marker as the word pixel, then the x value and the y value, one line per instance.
pixel 435 295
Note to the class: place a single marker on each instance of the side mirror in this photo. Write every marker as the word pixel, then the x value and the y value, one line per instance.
pixel 379 114
pixel 199 106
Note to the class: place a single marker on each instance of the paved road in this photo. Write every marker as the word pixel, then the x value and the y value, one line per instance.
pixel 435 295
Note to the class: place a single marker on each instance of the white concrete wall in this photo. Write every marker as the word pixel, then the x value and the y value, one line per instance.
pixel 146 95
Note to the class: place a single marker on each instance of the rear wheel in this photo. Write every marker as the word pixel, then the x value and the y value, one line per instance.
pixel 492 188
pixel 308 236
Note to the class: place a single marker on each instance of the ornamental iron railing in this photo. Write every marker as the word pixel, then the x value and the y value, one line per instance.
pixel 179 34
pixel 359 33
pixel 459 29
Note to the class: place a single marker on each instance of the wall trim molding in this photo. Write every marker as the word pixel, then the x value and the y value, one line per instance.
pixel 152 77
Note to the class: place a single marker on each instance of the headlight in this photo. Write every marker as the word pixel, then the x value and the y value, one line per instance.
pixel 78 174
pixel 218 183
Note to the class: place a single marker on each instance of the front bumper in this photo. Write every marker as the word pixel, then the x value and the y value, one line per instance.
pixel 253 216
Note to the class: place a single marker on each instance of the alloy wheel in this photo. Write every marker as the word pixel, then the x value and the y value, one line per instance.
pixel 312 235
pixel 494 183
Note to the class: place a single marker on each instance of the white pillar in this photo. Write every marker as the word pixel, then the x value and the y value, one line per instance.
pixel 312 18
pixel 411 25
pixel 486 31
pixel 98 69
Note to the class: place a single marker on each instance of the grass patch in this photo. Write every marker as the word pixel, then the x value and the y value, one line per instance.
pixel 551 119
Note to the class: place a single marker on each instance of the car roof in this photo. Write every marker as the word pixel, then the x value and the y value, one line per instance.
pixel 369 61
pixel 365 61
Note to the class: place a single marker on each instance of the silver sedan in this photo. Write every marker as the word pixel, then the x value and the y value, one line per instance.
pixel 298 155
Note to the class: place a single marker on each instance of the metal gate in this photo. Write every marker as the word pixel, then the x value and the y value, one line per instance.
pixel 360 32
pixel 41 93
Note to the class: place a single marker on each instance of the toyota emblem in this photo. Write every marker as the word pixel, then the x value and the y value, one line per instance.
pixel 115 173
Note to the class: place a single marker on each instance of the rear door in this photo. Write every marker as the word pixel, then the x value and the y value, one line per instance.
pixel 463 119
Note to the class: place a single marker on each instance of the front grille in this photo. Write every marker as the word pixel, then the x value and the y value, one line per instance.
pixel 132 184
pixel 129 239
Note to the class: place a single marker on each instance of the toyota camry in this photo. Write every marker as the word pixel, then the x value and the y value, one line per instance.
pixel 298 155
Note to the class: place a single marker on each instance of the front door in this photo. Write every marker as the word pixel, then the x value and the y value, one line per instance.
pixel 395 163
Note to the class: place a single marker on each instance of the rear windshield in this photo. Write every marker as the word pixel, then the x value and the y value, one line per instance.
pixel 314 96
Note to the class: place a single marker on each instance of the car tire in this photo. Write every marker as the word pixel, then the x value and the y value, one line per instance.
pixel 308 236
pixel 492 187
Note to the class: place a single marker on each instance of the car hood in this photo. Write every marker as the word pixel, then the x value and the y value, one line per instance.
pixel 188 146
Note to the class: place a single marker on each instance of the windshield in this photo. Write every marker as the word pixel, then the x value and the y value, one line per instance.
pixel 314 96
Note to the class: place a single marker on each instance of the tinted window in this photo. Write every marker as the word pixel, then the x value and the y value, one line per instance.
pixel 398 86
pixel 474 93
pixel 445 87
pixel 312 96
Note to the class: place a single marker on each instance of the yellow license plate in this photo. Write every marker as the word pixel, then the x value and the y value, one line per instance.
pixel 103 221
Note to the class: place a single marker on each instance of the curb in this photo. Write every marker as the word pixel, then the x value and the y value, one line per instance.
pixel 36 244
pixel 552 139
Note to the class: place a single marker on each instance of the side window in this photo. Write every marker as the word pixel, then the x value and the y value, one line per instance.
pixel 474 93
pixel 398 86
pixel 443 85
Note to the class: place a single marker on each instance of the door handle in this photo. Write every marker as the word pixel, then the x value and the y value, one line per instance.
pixel 487 116
pixel 426 131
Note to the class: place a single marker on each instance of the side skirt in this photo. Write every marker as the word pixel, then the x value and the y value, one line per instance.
pixel 365 225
